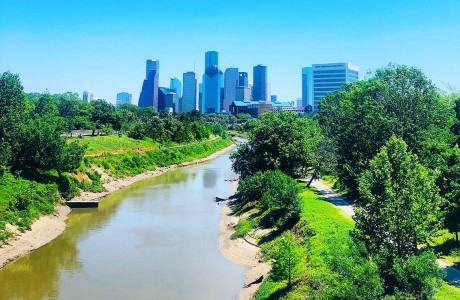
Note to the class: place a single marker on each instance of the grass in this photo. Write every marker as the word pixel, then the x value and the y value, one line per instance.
pixel 133 163
pixel 98 145
pixel 243 227
pixel 22 201
pixel 447 292
pixel 330 263
pixel 446 248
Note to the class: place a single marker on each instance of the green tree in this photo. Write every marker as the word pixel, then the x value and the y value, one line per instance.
pixel 103 113
pixel 401 208
pixel 287 257
pixel 449 183
pixel 278 141
pixel 398 100
pixel 13 111
pixel 275 193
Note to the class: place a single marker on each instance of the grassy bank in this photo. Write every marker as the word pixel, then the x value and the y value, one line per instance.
pixel 99 145
pixel 330 267
pixel 133 163
pixel 22 201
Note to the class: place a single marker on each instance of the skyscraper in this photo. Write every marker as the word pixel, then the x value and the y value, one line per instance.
pixel 167 99
pixel 322 79
pixel 259 89
pixel 149 93
pixel 212 83
pixel 243 79
pixel 191 92
pixel 87 96
pixel 123 98
pixel 176 85
pixel 230 83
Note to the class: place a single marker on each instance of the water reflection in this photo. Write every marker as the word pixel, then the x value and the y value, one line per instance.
pixel 155 239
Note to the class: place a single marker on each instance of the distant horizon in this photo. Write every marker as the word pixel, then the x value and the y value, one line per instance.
pixel 65 47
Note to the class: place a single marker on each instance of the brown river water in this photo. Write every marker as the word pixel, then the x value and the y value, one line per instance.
pixel 156 239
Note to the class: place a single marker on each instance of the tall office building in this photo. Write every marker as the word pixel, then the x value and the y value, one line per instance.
pixel 123 98
pixel 322 79
pixel 212 84
pixel 243 79
pixel 231 79
pixel 167 99
pixel 259 89
pixel 191 92
pixel 88 96
pixel 177 86
pixel 149 93
pixel 243 93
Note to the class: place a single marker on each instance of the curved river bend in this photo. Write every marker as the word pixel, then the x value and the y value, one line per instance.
pixel 156 239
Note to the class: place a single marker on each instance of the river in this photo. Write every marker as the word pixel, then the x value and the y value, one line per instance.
pixel 156 239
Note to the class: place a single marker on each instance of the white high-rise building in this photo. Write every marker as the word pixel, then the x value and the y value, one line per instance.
pixel 322 79
pixel 190 92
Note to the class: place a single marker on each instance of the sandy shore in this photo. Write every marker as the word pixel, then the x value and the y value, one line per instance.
pixel 240 251
pixel 47 228
pixel 44 230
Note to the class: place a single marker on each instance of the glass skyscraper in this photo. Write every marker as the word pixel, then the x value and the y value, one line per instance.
pixel 259 88
pixel 230 83
pixel 149 93
pixel 322 79
pixel 243 79
pixel 123 98
pixel 176 85
pixel 88 96
pixel 190 96
pixel 212 84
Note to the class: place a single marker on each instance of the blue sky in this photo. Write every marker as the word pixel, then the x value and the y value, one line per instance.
pixel 102 45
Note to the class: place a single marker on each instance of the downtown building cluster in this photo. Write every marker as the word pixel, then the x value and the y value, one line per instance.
pixel 231 91
pixel 219 92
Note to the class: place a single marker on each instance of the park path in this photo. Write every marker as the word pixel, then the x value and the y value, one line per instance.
pixel 452 274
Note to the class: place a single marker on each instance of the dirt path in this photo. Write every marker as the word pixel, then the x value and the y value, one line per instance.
pixel 452 274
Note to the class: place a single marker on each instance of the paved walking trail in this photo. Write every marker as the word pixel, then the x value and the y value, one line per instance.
pixel 452 274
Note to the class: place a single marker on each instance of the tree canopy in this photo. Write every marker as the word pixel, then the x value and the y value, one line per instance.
pixel 278 141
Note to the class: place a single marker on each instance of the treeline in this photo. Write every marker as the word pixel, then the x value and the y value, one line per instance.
pixel 392 143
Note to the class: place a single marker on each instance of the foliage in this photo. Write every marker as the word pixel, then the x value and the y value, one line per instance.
pixel 331 265
pixel 22 201
pixel 401 210
pixel 133 163
pixel 243 227
pixel 398 101
pixel 278 141
pixel 416 276
pixel 275 194
pixel 287 257
pixel 449 183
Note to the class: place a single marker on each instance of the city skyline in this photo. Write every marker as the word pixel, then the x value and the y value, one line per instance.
pixel 107 54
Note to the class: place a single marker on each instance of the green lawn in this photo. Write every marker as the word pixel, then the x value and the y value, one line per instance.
pixel 98 145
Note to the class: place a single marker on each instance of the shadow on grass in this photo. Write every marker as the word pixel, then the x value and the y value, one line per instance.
pixel 447 247
pixel 278 294
pixel 288 225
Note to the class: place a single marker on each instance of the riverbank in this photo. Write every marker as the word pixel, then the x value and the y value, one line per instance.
pixel 239 251
pixel 49 227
